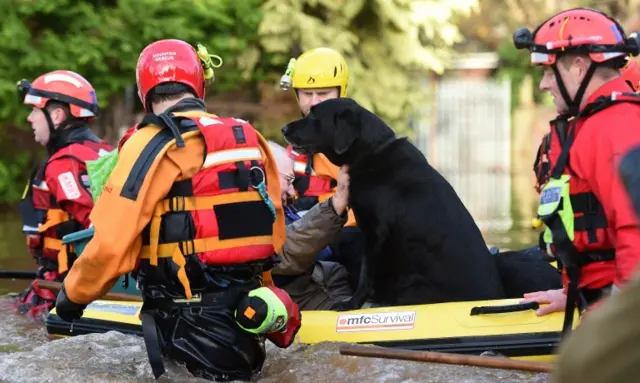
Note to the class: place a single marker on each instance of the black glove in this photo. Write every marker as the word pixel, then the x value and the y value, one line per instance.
pixel 66 308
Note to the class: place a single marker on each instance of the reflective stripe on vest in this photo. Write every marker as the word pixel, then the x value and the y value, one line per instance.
pixel 228 220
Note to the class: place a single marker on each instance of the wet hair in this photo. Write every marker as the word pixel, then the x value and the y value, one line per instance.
pixel 168 91
pixel 52 104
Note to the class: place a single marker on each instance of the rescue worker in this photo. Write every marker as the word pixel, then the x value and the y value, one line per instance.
pixel 187 209
pixel 590 226
pixel 604 348
pixel 317 75
pixel 304 272
pixel 57 200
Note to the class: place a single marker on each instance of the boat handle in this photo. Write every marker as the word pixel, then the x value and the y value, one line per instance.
pixel 479 310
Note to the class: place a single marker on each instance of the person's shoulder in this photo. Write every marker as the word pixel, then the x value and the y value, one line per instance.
pixel 613 120
pixel 126 136
pixel 68 157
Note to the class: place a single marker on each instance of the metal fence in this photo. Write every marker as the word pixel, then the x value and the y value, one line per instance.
pixel 467 138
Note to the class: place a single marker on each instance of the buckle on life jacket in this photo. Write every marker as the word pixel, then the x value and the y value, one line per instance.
pixel 256 176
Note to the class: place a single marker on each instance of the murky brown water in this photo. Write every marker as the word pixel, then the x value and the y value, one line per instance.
pixel 28 355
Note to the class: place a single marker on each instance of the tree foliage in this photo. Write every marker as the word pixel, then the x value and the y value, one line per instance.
pixel 102 40
pixel 389 45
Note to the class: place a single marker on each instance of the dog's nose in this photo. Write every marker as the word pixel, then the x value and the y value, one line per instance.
pixel 284 130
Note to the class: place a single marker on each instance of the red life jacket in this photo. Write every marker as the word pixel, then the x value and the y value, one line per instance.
pixel 590 223
pixel 44 222
pixel 591 242
pixel 310 187
pixel 219 214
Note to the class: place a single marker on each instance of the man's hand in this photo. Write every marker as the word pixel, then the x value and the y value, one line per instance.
pixel 66 309
pixel 555 301
pixel 341 198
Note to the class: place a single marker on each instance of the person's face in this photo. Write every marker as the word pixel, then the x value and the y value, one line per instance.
pixel 40 126
pixel 572 71
pixel 285 171
pixel 310 97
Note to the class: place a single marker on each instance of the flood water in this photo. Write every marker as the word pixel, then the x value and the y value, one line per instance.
pixel 28 355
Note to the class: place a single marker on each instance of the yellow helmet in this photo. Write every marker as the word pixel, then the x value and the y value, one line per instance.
pixel 317 68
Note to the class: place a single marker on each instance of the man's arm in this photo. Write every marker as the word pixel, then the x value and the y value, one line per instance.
pixel 306 237
pixel 608 145
pixel 119 219
pixel 64 179
pixel 324 167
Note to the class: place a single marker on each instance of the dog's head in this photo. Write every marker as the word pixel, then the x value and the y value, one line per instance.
pixel 340 129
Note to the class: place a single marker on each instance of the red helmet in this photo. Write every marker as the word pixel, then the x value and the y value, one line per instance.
pixel 63 86
pixel 578 30
pixel 631 74
pixel 582 31
pixel 173 61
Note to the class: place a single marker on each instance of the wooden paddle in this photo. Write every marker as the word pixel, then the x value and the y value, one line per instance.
pixel 439 357
pixel 122 297
pixel 17 274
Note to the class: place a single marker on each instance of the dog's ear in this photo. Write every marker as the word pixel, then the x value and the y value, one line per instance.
pixel 346 133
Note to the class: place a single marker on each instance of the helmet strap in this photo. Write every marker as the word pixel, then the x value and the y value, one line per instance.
pixel 53 137
pixel 57 136
pixel 574 104
pixel 47 116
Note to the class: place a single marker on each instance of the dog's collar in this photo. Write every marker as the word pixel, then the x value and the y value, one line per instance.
pixel 384 145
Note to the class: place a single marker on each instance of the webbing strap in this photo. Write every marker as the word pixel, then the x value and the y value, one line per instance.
pixel 54 217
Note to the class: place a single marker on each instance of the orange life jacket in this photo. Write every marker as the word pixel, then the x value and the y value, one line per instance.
pixel 44 222
pixel 314 184
pixel 219 214
pixel 310 186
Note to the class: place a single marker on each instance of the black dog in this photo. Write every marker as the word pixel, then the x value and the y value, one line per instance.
pixel 422 244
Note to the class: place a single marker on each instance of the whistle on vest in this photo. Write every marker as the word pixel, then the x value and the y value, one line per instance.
pixel 536 223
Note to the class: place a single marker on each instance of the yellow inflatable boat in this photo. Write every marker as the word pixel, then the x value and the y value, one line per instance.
pixel 501 326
